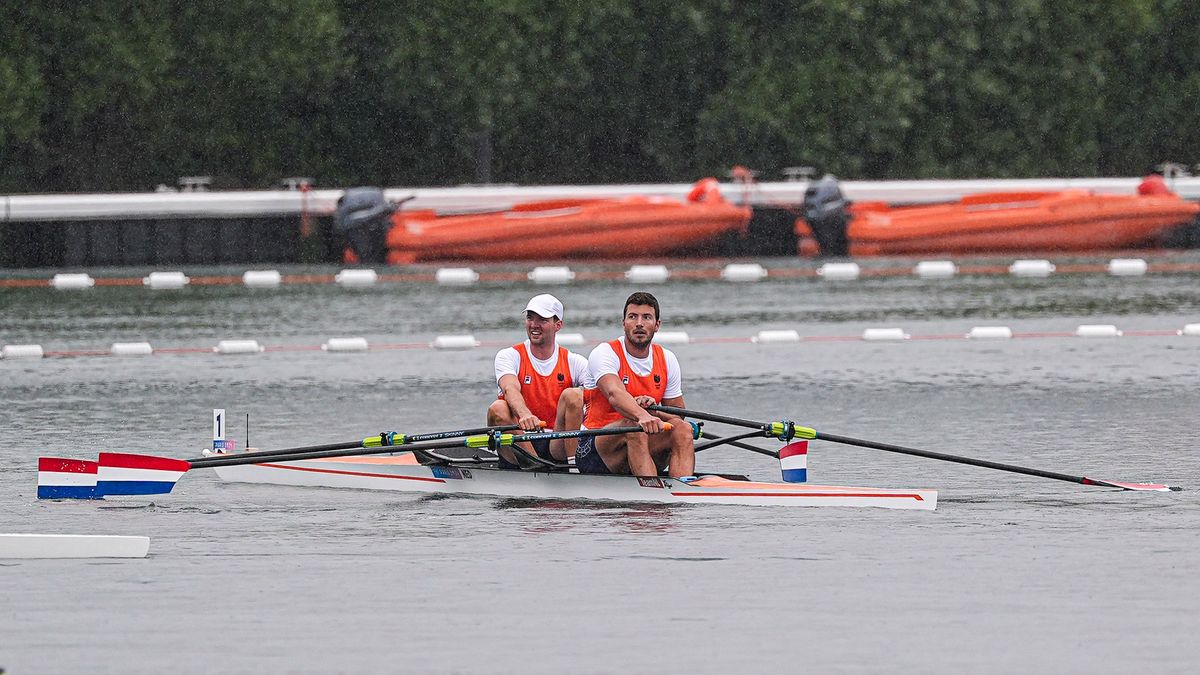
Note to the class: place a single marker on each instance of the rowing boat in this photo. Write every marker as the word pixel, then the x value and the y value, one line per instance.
pixel 402 473
pixel 415 463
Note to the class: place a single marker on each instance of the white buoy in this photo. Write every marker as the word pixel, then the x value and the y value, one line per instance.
pixel 1127 267
pixel 262 278
pixel 839 271
pixel 551 275
pixel 22 352
pixel 72 282
pixel 166 280
pixel 935 269
pixel 238 347
pixel 32 546
pixel 456 276
pixel 672 337
pixel 1031 268
pixel 648 274
pixel 131 349
pixel 743 272
pixel 879 334
pixel 356 278
pixel 455 342
pixel 570 339
pixel 1191 330
pixel 350 344
pixel 1097 330
pixel 990 333
pixel 773 336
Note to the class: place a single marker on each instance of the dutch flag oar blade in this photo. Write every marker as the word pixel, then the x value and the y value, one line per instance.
pixel 126 474
pixel 793 461
pixel 62 478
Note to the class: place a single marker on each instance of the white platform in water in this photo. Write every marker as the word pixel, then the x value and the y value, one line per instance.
pixel 72 546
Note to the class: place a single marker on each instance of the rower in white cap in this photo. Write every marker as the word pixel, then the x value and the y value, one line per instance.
pixel 539 382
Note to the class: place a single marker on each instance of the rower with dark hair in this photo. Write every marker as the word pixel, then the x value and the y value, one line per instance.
pixel 624 376
pixel 539 383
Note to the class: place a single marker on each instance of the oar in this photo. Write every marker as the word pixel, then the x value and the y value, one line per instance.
pixel 491 441
pixel 386 439
pixel 131 474
pixel 787 430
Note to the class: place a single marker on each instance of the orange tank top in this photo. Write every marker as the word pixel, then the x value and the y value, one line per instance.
pixel 598 412
pixel 541 392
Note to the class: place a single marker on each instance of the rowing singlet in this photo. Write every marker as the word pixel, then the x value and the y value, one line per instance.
pixel 600 413
pixel 541 392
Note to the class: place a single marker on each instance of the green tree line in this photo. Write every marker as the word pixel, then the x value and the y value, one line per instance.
pixel 126 94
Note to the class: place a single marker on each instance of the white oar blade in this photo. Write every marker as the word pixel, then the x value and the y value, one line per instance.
pixel 126 474
pixel 793 461
pixel 62 478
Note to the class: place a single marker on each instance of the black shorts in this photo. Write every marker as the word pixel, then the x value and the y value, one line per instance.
pixel 587 457
pixel 540 446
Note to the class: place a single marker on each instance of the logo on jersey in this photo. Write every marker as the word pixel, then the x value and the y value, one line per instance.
pixel 657 379
pixel 560 377
pixel 528 379
pixel 625 380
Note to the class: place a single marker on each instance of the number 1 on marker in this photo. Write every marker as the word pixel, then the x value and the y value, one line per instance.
pixel 218 424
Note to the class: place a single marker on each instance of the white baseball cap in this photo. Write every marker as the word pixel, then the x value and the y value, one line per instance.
pixel 545 306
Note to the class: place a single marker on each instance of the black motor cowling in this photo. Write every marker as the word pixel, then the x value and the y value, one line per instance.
pixel 826 212
pixel 363 217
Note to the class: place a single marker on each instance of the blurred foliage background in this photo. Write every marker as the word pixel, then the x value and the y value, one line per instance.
pixel 126 94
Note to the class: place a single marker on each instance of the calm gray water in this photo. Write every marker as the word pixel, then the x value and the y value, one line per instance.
pixel 1010 573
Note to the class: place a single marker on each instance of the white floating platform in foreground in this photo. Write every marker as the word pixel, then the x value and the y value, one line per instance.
pixel 30 546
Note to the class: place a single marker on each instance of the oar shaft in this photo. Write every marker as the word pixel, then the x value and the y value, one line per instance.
pixel 256 458
pixel 439 435
pixel 888 447
pixel 709 417
pixel 267 454
pixel 806 432
pixel 376 442
pixel 474 441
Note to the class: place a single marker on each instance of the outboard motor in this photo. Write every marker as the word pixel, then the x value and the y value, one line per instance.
pixel 363 217
pixel 825 211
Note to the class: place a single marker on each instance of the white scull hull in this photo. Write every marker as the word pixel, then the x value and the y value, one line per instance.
pixel 397 474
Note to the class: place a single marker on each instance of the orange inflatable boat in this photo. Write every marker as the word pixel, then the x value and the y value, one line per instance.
pixel 629 227
pixel 1069 220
